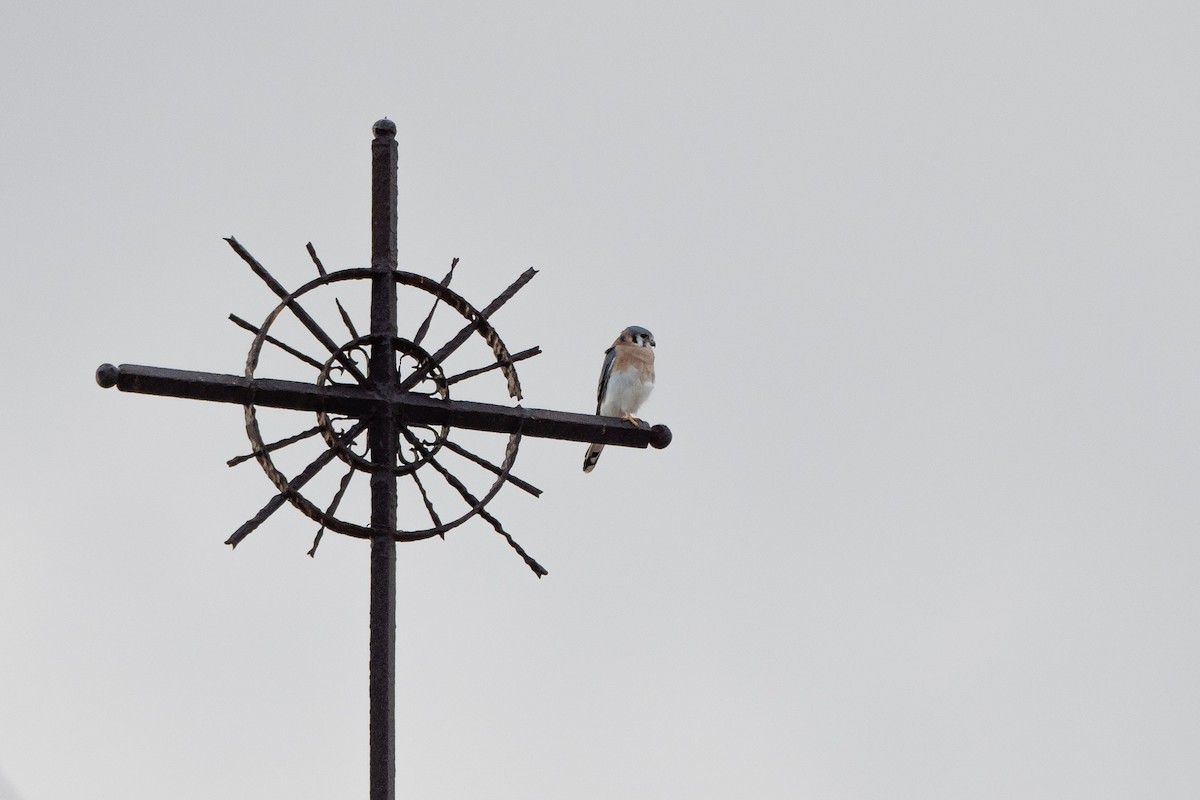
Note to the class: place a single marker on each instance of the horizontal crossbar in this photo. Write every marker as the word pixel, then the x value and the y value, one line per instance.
pixel 358 401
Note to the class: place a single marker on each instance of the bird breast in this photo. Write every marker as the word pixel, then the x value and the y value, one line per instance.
pixel 626 392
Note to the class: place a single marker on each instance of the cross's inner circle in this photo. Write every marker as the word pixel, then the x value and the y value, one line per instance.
pixel 415 444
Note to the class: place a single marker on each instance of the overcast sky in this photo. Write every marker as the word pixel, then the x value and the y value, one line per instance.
pixel 923 278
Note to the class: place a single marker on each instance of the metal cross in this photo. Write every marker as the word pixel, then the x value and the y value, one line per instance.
pixel 387 406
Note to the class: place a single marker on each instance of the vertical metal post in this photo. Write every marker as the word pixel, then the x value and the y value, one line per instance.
pixel 382 439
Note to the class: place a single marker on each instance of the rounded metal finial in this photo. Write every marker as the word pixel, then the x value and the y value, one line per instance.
pixel 385 127
pixel 660 437
pixel 106 375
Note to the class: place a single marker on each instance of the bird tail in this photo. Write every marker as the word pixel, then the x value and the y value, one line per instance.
pixel 592 456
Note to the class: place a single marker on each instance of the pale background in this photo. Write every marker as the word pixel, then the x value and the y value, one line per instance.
pixel 923 277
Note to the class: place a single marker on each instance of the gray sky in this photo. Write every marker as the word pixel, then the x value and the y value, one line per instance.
pixel 924 282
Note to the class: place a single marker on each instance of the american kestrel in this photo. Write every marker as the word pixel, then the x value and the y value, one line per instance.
pixel 625 381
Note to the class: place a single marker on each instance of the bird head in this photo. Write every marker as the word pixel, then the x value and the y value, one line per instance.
pixel 637 336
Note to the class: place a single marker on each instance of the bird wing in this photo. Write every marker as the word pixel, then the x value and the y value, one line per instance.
pixel 610 355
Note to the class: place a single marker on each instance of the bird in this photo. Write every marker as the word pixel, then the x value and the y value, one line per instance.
pixel 626 380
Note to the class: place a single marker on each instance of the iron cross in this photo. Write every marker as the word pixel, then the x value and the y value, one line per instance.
pixel 389 407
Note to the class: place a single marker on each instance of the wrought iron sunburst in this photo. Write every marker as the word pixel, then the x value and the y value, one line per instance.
pixel 418 444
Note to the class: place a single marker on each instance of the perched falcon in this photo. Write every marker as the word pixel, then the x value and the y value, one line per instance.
pixel 625 381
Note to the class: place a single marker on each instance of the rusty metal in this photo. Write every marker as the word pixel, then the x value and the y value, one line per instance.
pixel 384 409
pixel 381 436
pixel 356 401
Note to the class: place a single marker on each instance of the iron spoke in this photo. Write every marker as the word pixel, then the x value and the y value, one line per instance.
pixel 471 373
pixel 514 480
pixel 241 323
pixel 296 484
pixel 471 500
pixel 312 252
pixel 424 329
pixel 428 504
pixel 449 347
pixel 270 448
pixel 346 319
pixel 296 309
pixel 333 506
